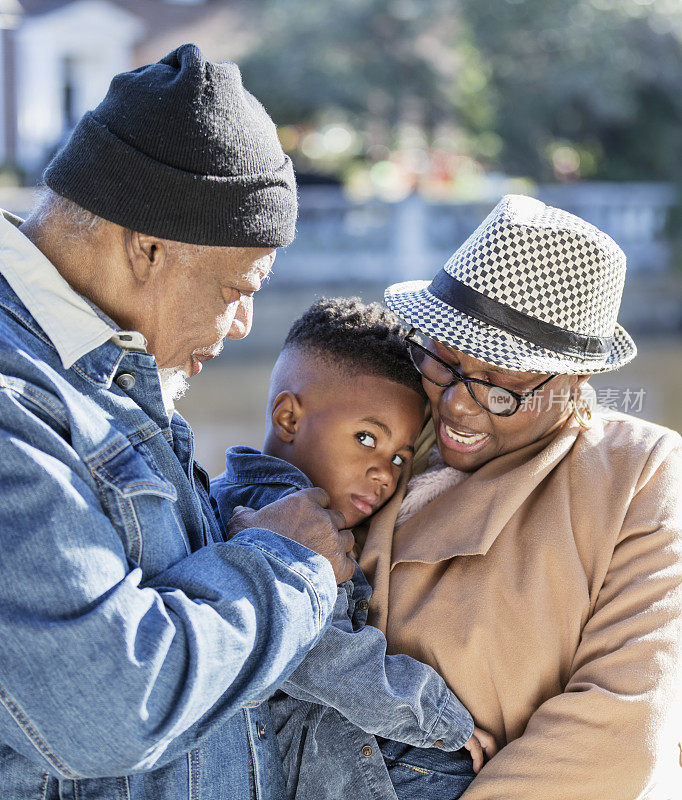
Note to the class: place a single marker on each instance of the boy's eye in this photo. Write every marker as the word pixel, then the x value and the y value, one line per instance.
pixel 366 438
pixel 397 460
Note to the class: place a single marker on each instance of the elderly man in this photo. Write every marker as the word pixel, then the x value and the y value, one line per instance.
pixel 137 642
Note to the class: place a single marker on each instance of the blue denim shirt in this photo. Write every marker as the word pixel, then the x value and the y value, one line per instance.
pixel 136 643
pixel 347 690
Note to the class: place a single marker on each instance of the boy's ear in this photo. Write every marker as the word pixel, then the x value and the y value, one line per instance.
pixel 286 414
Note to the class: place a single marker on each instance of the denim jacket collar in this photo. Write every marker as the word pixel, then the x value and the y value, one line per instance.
pixel 99 365
pixel 246 465
pixel 75 327
pixel 70 321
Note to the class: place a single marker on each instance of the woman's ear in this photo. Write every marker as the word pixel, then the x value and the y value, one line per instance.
pixel 286 415
pixel 577 382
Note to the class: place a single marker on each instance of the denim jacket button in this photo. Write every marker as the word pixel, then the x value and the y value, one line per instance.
pixel 125 381
pixel 363 605
pixel 438 743
pixel 367 751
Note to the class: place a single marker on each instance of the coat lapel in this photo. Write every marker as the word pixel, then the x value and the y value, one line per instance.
pixel 463 521
pixel 467 519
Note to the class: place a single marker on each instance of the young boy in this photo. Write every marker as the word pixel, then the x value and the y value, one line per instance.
pixel 344 410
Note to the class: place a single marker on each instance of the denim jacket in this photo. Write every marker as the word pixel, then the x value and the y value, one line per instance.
pixel 347 690
pixel 137 645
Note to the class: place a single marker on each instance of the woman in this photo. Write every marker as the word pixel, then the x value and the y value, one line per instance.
pixel 537 564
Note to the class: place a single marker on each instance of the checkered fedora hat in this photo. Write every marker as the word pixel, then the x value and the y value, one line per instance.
pixel 534 289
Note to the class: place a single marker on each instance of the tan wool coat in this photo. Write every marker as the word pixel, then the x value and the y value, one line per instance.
pixel 546 588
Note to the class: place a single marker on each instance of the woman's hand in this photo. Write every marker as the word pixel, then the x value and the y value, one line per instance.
pixel 482 747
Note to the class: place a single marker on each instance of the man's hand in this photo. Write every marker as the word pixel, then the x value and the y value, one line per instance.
pixel 480 743
pixel 305 518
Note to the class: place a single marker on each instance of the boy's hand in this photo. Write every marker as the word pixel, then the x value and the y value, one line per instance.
pixel 480 743
pixel 305 518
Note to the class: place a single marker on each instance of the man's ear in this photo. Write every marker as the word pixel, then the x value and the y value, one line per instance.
pixel 286 415
pixel 146 254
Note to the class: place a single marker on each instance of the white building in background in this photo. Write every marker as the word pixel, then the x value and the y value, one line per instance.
pixel 60 76
pixel 57 58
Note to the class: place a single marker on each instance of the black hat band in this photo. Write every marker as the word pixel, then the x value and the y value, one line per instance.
pixel 483 308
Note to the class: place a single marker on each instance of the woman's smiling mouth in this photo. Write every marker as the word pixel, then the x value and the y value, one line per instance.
pixel 462 441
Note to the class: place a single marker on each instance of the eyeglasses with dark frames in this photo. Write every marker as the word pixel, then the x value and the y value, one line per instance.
pixel 489 396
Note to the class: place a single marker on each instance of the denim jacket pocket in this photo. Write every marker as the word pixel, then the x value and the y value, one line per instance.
pixel 141 504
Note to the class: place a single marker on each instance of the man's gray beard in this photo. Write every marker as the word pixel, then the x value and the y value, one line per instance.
pixel 174 384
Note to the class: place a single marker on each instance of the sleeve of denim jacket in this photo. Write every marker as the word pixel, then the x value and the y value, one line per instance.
pixel 226 496
pixel 393 696
pixel 102 675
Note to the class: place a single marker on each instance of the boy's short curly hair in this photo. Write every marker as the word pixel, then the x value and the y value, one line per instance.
pixel 365 337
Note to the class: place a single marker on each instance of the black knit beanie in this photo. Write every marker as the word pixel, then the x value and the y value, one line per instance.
pixel 180 150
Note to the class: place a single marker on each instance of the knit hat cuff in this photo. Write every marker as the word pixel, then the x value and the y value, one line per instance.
pixel 224 211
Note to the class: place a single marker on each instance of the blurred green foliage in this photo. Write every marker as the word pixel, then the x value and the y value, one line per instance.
pixel 604 77
pixel 360 56
pixel 541 88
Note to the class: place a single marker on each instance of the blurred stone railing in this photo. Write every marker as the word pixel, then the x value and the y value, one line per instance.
pixel 340 241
